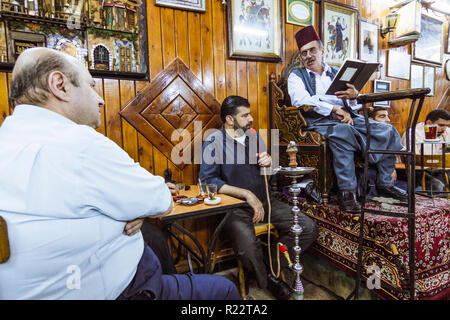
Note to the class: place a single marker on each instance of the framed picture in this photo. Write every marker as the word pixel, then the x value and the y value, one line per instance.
pixel 192 5
pixel 368 41
pixel 408 21
pixel 428 79
pixel 429 47
pixel 416 76
pixel 300 12
pixel 381 86
pixel 398 65
pixel 110 39
pixel 339 32
pixel 254 30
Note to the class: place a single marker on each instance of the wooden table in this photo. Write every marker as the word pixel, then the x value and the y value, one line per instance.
pixel 200 210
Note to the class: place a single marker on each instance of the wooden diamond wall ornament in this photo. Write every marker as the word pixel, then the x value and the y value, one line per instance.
pixel 174 100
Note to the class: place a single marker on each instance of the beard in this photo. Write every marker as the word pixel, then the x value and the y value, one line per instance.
pixel 244 129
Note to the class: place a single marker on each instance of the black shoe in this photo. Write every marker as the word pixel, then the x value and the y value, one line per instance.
pixel 392 192
pixel 347 202
pixel 279 289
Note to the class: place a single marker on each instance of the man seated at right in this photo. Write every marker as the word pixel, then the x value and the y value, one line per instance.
pixel 344 129
pixel 440 118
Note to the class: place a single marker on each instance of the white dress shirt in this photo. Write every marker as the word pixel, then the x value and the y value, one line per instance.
pixel 323 103
pixel 66 193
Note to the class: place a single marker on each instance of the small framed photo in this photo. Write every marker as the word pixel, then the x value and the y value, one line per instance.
pixel 192 5
pixel 254 30
pixel 300 12
pixel 368 41
pixel 428 79
pixel 398 65
pixel 381 86
pixel 416 76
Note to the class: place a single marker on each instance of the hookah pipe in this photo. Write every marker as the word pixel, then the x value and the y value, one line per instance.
pixel 281 247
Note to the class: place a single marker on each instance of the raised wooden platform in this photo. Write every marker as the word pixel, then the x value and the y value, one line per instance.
pixel 386 246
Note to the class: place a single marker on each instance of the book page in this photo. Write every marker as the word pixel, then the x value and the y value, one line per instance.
pixel 348 74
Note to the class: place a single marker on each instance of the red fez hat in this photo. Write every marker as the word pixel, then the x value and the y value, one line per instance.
pixel 306 35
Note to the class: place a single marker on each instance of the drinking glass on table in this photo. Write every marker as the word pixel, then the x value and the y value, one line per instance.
pixel 202 188
pixel 212 190
pixel 430 131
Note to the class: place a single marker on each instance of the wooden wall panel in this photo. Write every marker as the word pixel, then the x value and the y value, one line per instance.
pixel 200 40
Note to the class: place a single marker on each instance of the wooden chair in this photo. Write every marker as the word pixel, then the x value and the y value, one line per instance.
pixel 260 230
pixel 313 150
pixel 4 242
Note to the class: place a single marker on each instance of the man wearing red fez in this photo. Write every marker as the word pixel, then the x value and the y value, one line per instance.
pixel 343 127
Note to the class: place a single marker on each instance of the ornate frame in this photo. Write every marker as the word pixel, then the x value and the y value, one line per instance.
pixel 236 25
pixel 328 7
pixel 296 6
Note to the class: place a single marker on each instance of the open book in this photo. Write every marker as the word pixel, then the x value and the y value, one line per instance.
pixel 355 72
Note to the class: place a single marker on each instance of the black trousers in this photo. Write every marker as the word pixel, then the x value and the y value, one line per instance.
pixel 156 239
pixel 240 230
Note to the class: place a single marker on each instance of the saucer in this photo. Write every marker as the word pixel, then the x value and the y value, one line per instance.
pixel 212 202
pixel 432 140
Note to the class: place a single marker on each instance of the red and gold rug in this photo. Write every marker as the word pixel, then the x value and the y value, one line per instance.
pixel 386 245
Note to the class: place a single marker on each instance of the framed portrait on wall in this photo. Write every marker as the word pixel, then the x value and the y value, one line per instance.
pixel 429 47
pixel 416 76
pixel 192 5
pixel 428 79
pixel 300 12
pixel 254 30
pixel 368 41
pixel 339 32
pixel 398 65
pixel 381 86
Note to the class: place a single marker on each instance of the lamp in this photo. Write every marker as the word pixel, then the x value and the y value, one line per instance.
pixel 390 23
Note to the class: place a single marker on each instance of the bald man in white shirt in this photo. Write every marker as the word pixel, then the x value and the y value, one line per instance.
pixel 74 201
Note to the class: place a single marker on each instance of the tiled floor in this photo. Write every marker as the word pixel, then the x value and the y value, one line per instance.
pixel 312 292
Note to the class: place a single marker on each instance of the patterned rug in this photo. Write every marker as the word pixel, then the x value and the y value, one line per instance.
pixel 386 245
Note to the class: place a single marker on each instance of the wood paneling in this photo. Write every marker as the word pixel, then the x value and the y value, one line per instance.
pixel 200 40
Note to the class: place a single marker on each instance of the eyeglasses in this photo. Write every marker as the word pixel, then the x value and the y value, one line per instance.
pixel 311 51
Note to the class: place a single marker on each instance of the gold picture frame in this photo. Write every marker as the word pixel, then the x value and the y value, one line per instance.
pixel 300 12
pixel 254 30
pixel 339 32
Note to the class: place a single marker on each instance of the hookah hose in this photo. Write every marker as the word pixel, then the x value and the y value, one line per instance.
pixel 281 247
